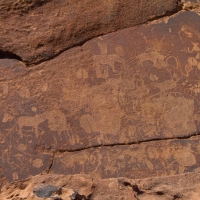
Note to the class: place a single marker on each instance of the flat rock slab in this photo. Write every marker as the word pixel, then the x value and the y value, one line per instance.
pixel 39 30
pixel 131 86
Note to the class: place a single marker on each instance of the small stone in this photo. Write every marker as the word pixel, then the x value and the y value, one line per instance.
pixel 43 191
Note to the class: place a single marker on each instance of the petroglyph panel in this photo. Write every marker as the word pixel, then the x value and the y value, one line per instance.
pixel 18 159
pixel 137 84
pixel 158 158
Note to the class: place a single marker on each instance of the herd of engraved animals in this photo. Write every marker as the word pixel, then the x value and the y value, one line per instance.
pixel 104 62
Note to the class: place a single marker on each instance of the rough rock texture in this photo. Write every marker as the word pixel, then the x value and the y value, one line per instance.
pixel 85 187
pixel 134 93
pixel 125 104
pixel 190 4
pixel 148 159
pixel 38 30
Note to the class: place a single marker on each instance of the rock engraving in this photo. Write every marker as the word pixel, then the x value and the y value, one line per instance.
pixel 132 86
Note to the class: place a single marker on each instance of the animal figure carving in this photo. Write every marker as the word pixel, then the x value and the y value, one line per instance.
pixel 107 60
pixel 104 61
pixel 157 59
pixel 32 121
pixel 56 121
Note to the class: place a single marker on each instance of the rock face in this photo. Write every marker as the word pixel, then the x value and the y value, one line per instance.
pixel 125 104
pixel 37 30
pixel 134 93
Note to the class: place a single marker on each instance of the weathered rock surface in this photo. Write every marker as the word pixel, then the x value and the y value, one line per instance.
pixel 182 187
pixel 150 159
pixel 190 4
pixel 124 104
pixel 118 117
pixel 37 30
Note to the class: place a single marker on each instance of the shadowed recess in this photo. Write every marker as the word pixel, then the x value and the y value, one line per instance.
pixel 9 55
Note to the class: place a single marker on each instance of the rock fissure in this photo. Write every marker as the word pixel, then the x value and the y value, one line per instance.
pixel 135 187
pixel 58 151
pixel 9 55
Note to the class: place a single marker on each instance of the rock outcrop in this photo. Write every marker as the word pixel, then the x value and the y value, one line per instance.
pixel 122 105
pixel 85 187
pixel 134 93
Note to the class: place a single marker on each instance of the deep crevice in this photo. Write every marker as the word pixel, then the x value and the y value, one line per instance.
pixel 160 193
pixel 134 187
pixel 78 44
pixel 9 55
pixel 127 184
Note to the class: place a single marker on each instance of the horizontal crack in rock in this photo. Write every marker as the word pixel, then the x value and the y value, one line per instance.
pixel 60 151
pixel 57 151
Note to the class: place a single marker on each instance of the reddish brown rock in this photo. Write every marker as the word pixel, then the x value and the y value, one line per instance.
pixel 39 30
pixel 190 4
pixel 148 159
pixel 124 104
pixel 182 187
